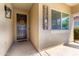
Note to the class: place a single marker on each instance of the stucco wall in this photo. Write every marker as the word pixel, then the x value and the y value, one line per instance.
pixel 6 32
pixel 49 38
pixel 34 25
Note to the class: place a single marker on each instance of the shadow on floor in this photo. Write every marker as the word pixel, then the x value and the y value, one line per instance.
pixel 73 45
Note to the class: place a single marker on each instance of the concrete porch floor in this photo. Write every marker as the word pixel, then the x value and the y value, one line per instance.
pixel 22 49
pixel 26 49
pixel 71 49
pixel 76 41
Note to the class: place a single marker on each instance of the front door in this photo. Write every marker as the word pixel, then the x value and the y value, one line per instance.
pixel 21 27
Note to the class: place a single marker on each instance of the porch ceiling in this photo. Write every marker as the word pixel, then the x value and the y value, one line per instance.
pixel 71 4
pixel 25 6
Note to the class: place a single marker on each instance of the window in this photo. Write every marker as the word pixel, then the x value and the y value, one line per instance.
pixel 60 21
pixel 56 20
pixel 65 21
pixel 76 21
pixel 76 24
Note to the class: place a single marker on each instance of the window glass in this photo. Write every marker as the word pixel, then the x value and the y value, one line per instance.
pixel 56 20
pixel 65 21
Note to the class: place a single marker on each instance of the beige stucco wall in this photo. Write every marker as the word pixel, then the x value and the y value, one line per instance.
pixel 49 38
pixel 20 11
pixel 6 32
pixel 34 25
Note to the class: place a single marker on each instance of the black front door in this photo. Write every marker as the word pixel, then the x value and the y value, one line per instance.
pixel 21 27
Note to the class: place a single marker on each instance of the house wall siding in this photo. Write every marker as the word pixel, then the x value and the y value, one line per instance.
pixel 50 38
pixel 6 33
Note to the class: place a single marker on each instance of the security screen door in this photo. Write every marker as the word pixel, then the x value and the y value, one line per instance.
pixel 21 26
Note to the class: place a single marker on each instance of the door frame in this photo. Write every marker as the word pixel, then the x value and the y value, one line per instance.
pixel 74 15
pixel 15 23
pixel 19 16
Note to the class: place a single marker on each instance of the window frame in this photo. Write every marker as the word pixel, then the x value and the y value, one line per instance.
pixel 52 20
pixel 61 19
